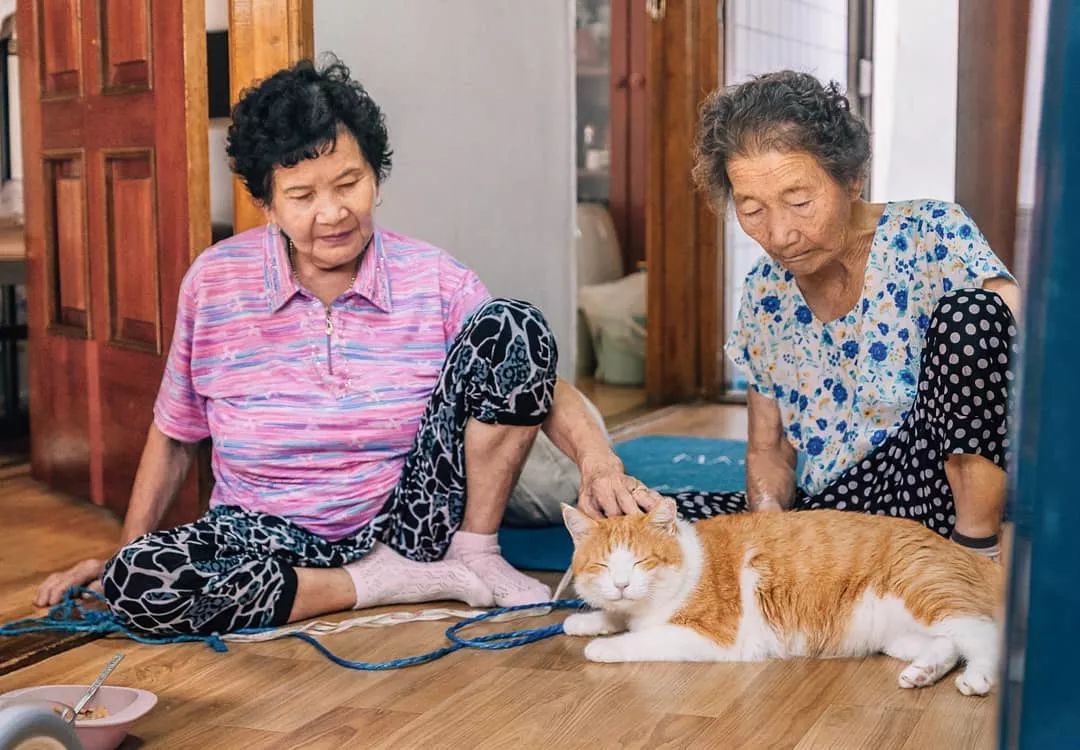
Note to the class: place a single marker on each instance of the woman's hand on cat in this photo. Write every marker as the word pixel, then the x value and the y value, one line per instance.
pixel 607 491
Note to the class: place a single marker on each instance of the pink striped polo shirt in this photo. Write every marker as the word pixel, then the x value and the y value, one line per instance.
pixel 311 411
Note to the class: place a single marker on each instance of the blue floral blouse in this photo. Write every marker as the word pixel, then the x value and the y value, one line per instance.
pixel 845 386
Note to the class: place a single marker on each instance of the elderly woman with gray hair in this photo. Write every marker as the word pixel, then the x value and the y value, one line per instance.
pixel 876 338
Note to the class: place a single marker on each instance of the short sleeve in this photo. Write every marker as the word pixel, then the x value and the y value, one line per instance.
pixel 967 261
pixel 462 293
pixel 180 412
pixel 744 345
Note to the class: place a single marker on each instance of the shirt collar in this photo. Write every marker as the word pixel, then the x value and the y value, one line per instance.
pixel 372 281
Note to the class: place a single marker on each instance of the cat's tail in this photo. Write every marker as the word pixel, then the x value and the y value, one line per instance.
pixel 977 638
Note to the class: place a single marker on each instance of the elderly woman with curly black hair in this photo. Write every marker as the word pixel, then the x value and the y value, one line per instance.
pixel 876 338
pixel 370 405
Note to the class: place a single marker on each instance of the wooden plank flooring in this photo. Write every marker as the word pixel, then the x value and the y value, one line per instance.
pixel 617 404
pixel 284 695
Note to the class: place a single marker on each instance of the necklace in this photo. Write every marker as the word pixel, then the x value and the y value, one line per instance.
pixel 290 249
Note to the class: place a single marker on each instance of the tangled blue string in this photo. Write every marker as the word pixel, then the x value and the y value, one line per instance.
pixel 71 615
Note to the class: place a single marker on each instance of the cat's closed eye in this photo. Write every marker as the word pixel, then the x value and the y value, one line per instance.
pixel 646 562
pixel 596 567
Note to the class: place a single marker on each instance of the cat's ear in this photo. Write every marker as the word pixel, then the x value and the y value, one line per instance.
pixel 577 523
pixel 663 515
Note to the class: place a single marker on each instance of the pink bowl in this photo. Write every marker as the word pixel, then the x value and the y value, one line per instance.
pixel 124 705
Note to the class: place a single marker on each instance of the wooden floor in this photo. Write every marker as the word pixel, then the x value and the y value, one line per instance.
pixel 616 403
pixel 284 695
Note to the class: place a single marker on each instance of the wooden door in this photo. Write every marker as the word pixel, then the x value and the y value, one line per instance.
pixel 116 185
pixel 683 358
pixel 629 120
pixel 991 66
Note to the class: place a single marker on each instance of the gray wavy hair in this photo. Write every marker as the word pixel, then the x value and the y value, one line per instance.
pixel 784 111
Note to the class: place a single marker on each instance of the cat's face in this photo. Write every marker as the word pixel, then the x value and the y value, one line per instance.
pixel 621 563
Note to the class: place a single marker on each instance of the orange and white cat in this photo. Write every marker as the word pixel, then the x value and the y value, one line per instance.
pixel 756 586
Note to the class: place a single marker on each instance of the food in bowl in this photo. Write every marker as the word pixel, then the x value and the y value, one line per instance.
pixel 90 713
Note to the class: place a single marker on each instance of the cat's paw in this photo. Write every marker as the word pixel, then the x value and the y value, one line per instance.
pixel 920 675
pixel 605 650
pixel 972 682
pixel 588 623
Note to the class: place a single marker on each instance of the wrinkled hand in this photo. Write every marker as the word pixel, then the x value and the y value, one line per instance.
pixel 87 572
pixel 607 491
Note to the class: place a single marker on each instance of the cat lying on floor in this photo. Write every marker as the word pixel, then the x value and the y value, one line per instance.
pixel 756 586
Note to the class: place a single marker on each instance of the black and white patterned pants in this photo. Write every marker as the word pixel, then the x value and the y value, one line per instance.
pixel 961 408
pixel 233 569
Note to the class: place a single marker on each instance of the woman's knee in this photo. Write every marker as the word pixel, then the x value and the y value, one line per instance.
pixel 971 334
pixel 143 584
pixel 511 334
pixel 507 358
pixel 121 577
pixel 971 313
pixel 966 373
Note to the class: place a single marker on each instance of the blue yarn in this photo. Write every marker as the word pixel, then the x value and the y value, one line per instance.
pixel 72 616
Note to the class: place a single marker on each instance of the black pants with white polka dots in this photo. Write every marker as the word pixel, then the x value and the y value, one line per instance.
pixel 961 408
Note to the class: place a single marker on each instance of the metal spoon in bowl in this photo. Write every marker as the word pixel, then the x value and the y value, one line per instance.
pixel 97 684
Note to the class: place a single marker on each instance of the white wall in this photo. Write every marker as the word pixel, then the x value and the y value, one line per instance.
pixel 15 119
pixel 217 15
pixel 11 194
pixel 221 187
pixel 1029 139
pixel 1033 91
pixel 479 101
pixel 7 9
pixel 914 99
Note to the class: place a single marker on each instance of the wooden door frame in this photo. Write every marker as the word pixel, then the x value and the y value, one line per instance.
pixel 991 72
pixel 197 119
pixel 683 245
pixel 264 37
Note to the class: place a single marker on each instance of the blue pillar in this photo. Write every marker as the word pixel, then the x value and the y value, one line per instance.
pixel 1041 693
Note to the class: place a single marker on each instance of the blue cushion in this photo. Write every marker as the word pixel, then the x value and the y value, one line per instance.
pixel 665 463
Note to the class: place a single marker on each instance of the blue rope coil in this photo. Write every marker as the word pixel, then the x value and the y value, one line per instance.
pixel 72 616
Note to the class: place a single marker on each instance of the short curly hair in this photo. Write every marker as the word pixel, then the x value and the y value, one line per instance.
pixel 783 111
pixel 295 115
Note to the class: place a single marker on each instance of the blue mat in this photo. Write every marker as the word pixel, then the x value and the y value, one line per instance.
pixel 667 464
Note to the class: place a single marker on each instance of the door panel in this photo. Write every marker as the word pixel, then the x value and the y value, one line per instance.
pixel 61 44
pixel 131 262
pixel 69 275
pixel 125 45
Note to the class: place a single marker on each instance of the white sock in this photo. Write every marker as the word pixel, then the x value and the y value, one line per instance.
pixel 480 552
pixel 385 577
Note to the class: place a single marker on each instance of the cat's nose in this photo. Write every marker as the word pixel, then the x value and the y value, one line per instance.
pixel 621 585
